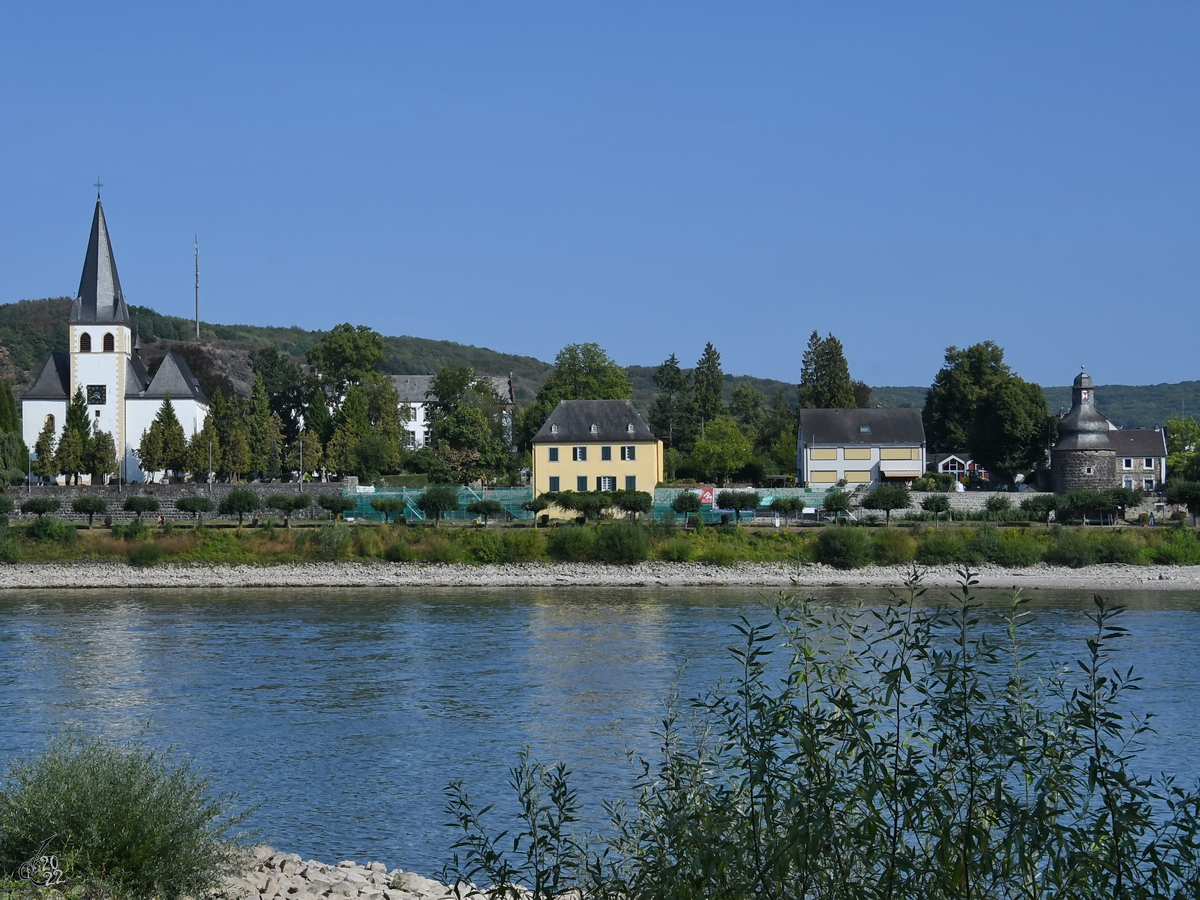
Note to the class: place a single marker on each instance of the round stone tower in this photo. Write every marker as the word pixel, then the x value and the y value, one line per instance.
pixel 1084 458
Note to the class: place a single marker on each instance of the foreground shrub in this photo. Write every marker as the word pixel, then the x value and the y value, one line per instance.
pixel 125 819
pixel 400 551
pixel 45 529
pixel 844 547
pixel 893 546
pixel 145 554
pixel 626 543
pixel 1018 548
pixel 441 549
pixel 983 546
pixel 573 543
pixel 940 547
pixel 896 754
pixel 497 548
pixel 677 549
pixel 1180 549
pixel 331 542
pixel 1069 547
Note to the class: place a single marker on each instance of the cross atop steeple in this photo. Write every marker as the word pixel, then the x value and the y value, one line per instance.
pixel 98 186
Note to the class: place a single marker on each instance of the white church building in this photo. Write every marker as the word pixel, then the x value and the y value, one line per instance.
pixel 104 360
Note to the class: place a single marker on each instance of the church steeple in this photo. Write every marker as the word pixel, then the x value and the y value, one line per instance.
pixel 100 298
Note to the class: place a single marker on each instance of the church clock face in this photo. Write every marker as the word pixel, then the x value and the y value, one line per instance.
pixel 96 394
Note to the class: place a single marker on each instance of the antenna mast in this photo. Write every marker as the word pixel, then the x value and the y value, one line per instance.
pixel 197 239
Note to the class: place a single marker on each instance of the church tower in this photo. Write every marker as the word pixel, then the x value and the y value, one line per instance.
pixel 101 342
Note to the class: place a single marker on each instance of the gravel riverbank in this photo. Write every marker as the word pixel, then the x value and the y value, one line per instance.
pixel 285 876
pixel 111 574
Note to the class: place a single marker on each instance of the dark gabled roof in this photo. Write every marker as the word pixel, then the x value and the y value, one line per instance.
pixel 572 421
pixel 415 388
pixel 100 298
pixel 174 379
pixel 1138 442
pixel 54 381
pixel 844 426
pixel 137 379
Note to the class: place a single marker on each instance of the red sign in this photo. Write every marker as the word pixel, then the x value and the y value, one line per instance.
pixel 706 496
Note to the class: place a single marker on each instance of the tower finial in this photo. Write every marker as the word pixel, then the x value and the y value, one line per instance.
pixel 98 186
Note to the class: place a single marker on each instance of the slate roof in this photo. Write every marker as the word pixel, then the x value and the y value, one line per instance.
pixel 1139 442
pixel 844 426
pixel 100 298
pixel 574 420
pixel 173 379
pixel 415 388
pixel 54 380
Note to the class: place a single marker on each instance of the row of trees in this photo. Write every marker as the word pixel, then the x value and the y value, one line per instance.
pixel 78 449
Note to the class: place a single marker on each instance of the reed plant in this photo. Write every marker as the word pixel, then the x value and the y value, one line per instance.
pixel 909 753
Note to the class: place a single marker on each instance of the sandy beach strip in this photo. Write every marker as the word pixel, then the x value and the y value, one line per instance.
pixel 115 574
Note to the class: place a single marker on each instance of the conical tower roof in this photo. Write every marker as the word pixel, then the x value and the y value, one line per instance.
pixel 99 298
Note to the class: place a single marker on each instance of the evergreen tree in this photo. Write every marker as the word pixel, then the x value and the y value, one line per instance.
pixel 671 406
pixel 747 405
pixel 172 439
pixel 149 451
pixel 317 420
pixel 10 419
pixel 258 425
pixel 198 458
pixel 311 459
pixel 825 376
pixel 78 422
pixel 272 469
pixel 14 458
pixel 45 466
pixel 100 460
pixel 708 381
pixel 69 455
pixel 235 455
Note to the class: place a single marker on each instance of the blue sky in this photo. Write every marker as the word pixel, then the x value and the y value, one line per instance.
pixel 647 176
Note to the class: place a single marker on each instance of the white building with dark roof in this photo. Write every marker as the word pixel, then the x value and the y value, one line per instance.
pixel 859 446
pixel 415 400
pixel 103 361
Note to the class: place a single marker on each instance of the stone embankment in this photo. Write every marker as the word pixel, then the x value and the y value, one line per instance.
pixel 378 574
pixel 285 876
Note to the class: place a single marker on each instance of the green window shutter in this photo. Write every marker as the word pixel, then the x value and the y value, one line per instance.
pixel 581 483
pixel 631 482
pixel 554 484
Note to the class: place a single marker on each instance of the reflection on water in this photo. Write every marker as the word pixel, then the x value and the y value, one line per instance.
pixel 346 712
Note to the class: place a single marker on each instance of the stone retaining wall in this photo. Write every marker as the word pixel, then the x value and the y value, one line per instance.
pixel 167 494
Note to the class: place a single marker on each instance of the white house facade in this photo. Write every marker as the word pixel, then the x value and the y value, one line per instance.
pixel 103 361
pixel 859 446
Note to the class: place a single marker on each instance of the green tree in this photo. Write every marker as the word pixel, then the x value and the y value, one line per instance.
pixel 721 450
pixel 581 372
pixel 45 465
pixel 289 505
pixel 194 505
pixel 100 460
pixel 1183 440
pixel 173 445
pixel 634 503
pixel 438 500
pixel 69 455
pixel 238 502
pixel 1039 507
pixel 388 506
pixel 936 504
pixel 670 414
pixel 486 508
pixel 537 505
pixel 317 418
pixel 687 505
pixel 708 381
pixel 235 450
pixel 589 504
pixel 468 428
pixel 1180 493
pixel 149 451
pixel 739 502
pixel 89 505
pixel 836 502
pixel 260 432
pixel 825 375
pixel 139 504
pixel 40 506
pixel 305 454
pixel 10 418
pixel 347 355
pixel 997 506
pixel 336 504
pixel 14 458
pixel 204 451
pixel 888 497
pixel 978 404
pixel 786 507
pixel 286 385
pixel 747 405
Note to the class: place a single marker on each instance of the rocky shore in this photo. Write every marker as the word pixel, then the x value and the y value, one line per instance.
pixel 113 574
pixel 285 876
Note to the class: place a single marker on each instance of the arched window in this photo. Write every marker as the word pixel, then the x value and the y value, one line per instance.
pixel 85 343
pixel 109 344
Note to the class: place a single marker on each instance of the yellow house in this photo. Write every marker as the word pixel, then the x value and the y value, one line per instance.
pixel 596 445
pixel 862 446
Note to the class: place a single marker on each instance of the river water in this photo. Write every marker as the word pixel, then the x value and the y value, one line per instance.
pixel 344 713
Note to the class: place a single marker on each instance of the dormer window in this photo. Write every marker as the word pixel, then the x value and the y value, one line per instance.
pixel 595 428
pixel 85 343
pixel 629 428
pixel 864 429
pixel 554 429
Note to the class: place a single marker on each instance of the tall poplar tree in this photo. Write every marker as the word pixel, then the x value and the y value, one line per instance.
pixel 670 409
pixel 45 465
pixel 707 383
pixel 10 419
